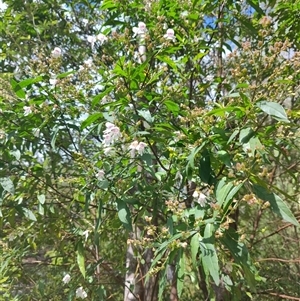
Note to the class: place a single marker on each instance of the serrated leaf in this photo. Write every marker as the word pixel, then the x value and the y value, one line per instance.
pixel 277 204
pixel 7 185
pixel 80 258
pixel 274 109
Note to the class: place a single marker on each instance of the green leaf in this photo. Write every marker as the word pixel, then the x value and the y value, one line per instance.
pixel 41 199
pixel 180 274
pixel 54 136
pixel 206 173
pixel 7 185
pixel 172 107
pixel 195 245
pixel 240 255
pixel 80 258
pixel 17 89
pixel 209 255
pixel 92 118
pixel 29 214
pixel 274 109
pixel 124 215
pixel 245 135
pixel 222 190
pixel 277 204
pixel 146 115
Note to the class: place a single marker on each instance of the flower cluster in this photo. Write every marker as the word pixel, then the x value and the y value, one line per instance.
pixel 136 146
pixel 101 38
pixel 111 134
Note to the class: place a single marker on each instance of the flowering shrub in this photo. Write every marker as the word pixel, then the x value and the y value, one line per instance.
pixel 135 158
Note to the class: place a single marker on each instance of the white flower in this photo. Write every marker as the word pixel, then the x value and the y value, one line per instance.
pixel 27 110
pixel 88 62
pixel 53 81
pixel 170 34
pixel 137 146
pixel 56 52
pixel 200 198
pixel 80 293
pixel 101 38
pixel 100 174
pixel 111 134
pixel 66 279
pixel 141 148
pixel 140 31
pixel 92 40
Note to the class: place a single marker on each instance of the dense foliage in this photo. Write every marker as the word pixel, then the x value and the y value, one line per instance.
pixel 149 150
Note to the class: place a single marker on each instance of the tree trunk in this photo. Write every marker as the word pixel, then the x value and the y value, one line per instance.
pixel 136 288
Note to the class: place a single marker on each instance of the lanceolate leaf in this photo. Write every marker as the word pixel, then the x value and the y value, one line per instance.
pixel 277 204
pixel 180 274
pixel 80 258
pixel 195 245
pixel 240 254
pixel 209 255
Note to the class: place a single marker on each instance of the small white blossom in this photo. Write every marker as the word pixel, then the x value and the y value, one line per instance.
pixel 80 293
pixel 56 52
pixel 53 81
pixel 66 279
pixel 200 198
pixel 88 63
pixel 27 110
pixel 170 35
pixel 183 244
pixel 101 38
pixel 140 31
pixel 92 40
pixel 141 148
pixel 100 174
